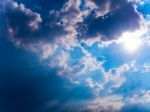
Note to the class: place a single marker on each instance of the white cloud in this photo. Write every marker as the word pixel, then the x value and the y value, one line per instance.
pixel 142 97
pixel 107 103
pixel 116 75
pixel 60 61
pixel 48 50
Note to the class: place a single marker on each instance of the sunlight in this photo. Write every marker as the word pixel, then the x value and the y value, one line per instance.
pixel 131 41
pixel 132 44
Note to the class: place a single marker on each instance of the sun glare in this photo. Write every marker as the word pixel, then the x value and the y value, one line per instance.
pixel 132 44
pixel 131 41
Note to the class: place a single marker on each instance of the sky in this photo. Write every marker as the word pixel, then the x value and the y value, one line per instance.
pixel 74 56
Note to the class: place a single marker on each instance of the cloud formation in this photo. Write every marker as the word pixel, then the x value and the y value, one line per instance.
pixel 42 23
pixel 27 26
pixel 121 16
pixel 54 30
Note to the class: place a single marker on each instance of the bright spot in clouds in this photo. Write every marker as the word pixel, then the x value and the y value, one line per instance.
pixel 132 44
pixel 132 41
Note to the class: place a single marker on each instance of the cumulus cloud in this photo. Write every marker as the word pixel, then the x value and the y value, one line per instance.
pixel 38 23
pixel 35 27
pixel 29 26
pixel 121 16
pixel 73 69
pixel 43 30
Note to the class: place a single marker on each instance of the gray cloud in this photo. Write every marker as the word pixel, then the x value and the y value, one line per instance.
pixel 27 26
pixel 48 24
pixel 122 16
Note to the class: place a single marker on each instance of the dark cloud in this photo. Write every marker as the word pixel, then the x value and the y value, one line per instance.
pixel 27 26
pixel 35 21
pixel 102 4
pixel 121 17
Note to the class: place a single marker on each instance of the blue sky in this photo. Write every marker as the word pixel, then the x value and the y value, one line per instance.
pixel 74 56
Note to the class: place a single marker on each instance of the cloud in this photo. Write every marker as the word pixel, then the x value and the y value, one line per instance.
pixel 52 30
pixel 22 22
pixel 70 68
pixel 122 16
pixel 29 27
pixel 52 36
pixel 48 24
pixel 142 97
pixel 34 29
pixel 116 75
pixel 111 103
pixel 140 101
pixel 51 25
